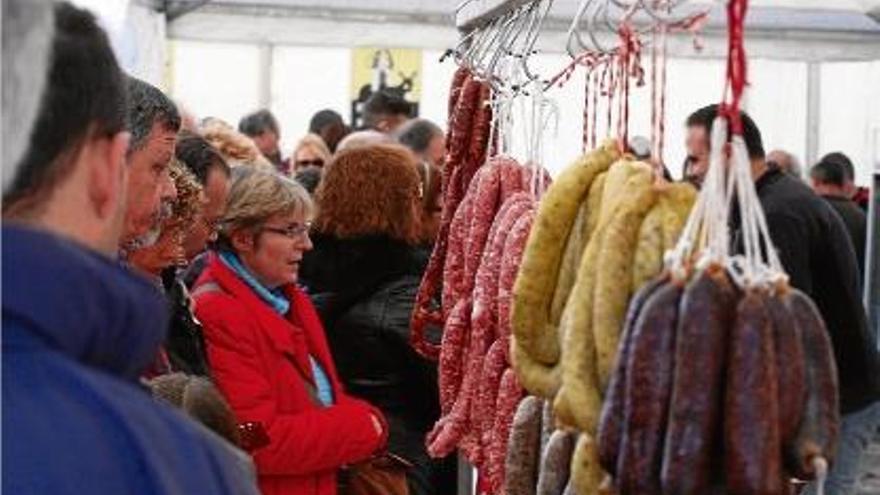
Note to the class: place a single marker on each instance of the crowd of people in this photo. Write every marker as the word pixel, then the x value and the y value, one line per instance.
pixel 153 262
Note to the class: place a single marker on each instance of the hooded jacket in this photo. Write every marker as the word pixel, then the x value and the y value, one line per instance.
pixel 78 329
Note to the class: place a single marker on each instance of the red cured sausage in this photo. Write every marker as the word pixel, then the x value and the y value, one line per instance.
pixel 611 421
pixel 514 246
pixel 752 446
pixel 790 367
pixel 482 127
pixel 649 371
pixel 455 335
pixel 463 121
pixel 458 80
pixel 707 311
pixel 454 271
pixel 820 425
pixel 483 405
pixel 453 428
pixel 485 205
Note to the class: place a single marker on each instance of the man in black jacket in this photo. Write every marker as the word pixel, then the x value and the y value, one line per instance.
pixel 829 182
pixel 819 258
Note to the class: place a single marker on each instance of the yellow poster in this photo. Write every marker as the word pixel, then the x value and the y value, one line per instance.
pixel 394 70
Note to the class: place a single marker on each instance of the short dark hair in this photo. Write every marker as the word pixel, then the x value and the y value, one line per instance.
pixel 417 134
pixel 84 96
pixel 829 172
pixel 257 123
pixel 324 118
pixel 383 103
pixel 148 105
pixel 705 116
pixel 197 154
pixel 844 161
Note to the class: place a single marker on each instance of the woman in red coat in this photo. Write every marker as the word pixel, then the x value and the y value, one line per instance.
pixel 267 348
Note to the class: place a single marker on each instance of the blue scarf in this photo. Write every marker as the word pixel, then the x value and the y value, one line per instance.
pixel 278 301
pixel 274 298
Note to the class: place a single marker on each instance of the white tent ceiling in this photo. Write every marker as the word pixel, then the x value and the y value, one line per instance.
pixel 781 29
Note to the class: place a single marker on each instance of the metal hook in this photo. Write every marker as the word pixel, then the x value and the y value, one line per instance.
pixel 668 7
pixel 532 39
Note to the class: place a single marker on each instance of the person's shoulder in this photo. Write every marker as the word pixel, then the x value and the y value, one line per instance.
pixel 91 432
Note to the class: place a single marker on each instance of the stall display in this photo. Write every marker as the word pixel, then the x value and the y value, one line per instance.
pixel 603 333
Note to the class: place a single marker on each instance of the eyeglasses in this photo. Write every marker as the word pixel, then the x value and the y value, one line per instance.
pixel 294 231
pixel 317 162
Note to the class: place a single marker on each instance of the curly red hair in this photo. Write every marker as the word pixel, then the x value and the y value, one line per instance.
pixel 370 191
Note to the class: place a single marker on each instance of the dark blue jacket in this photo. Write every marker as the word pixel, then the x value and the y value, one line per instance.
pixel 77 331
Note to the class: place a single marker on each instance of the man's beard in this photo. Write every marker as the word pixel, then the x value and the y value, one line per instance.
pixel 150 238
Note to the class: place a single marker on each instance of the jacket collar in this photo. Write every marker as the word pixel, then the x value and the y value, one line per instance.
pixel 358 264
pixel 79 302
pixel 297 334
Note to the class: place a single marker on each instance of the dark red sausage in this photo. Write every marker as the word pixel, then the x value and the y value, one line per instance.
pixel 482 127
pixel 790 367
pixel 752 446
pixel 650 366
pixel 611 420
pixel 455 92
pixel 692 434
pixel 820 424
pixel 463 120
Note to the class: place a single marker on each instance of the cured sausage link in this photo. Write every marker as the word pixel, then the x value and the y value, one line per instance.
pixel 817 434
pixel 611 420
pixel 707 307
pixel 752 449
pixel 649 371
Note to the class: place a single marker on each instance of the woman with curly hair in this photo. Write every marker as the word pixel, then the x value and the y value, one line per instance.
pixel 363 274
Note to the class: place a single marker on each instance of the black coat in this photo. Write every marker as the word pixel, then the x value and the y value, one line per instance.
pixel 364 290
pixel 185 343
pixel 856 223
pixel 817 253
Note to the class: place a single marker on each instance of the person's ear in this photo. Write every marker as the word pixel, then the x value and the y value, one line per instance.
pixel 107 173
pixel 242 241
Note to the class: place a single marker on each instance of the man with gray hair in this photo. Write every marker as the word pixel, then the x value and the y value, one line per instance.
pixel 785 162
pixel 78 329
pixel 425 139
pixel 153 121
pixel 262 127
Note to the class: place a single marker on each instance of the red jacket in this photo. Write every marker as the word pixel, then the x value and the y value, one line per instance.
pixel 253 350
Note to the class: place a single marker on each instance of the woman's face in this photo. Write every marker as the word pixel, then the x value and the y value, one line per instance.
pixel 274 252
pixel 166 251
pixel 307 157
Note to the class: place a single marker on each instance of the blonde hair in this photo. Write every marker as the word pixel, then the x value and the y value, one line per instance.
pixel 316 144
pixel 257 196
pixel 236 148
